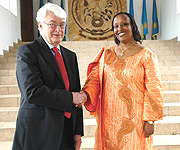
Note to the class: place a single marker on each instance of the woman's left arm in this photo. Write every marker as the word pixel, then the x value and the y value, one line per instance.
pixel 153 100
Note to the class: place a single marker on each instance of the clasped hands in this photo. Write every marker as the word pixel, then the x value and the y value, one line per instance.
pixel 79 98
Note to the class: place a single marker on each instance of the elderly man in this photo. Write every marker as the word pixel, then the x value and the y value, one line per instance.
pixel 50 115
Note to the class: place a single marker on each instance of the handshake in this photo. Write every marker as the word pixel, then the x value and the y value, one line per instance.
pixel 79 98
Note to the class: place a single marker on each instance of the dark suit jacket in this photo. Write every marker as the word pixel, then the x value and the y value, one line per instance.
pixel 44 98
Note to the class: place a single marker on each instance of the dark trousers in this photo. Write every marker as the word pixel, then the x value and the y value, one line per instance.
pixel 68 137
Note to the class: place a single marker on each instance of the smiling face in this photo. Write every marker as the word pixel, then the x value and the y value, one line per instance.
pixel 122 28
pixel 52 35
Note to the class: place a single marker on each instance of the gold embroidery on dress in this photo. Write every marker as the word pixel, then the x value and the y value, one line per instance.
pixel 110 57
pixel 125 95
pixel 119 66
pixel 155 106
pixel 118 74
pixel 127 127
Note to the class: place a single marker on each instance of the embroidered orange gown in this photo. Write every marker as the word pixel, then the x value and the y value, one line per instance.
pixel 122 95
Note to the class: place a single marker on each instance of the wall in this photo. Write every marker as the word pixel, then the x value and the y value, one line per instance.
pixel 170 20
pixel 138 14
pixel 93 21
pixel 10 28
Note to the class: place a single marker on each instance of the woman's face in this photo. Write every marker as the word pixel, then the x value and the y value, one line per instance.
pixel 122 28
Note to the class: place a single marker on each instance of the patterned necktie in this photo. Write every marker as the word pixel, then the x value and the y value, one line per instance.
pixel 62 68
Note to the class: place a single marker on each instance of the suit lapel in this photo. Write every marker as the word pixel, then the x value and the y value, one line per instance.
pixel 46 52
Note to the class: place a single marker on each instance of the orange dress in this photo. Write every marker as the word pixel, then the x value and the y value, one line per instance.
pixel 122 95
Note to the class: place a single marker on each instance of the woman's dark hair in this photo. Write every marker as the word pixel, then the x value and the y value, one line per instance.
pixel 135 31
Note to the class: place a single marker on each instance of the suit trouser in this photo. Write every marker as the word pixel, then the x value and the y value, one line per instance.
pixel 68 137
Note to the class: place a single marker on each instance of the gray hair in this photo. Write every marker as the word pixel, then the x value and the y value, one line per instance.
pixel 56 9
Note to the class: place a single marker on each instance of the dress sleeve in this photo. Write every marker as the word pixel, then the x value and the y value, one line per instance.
pixel 92 88
pixel 153 99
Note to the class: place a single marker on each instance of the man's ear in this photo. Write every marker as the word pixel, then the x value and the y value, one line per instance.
pixel 39 24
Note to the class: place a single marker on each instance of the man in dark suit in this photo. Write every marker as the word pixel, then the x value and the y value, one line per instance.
pixel 50 115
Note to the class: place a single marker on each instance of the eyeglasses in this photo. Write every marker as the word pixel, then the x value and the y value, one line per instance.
pixel 53 25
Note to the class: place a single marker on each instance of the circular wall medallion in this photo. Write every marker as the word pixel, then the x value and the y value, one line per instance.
pixel 94 17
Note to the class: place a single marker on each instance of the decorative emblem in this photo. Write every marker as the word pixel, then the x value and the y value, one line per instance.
pixel 94 17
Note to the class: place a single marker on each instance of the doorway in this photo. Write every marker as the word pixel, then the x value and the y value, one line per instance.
pixel 26 11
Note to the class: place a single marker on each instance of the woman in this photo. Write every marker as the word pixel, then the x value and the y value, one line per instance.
pixel 124 90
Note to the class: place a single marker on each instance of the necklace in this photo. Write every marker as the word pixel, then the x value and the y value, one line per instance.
pixel 123 50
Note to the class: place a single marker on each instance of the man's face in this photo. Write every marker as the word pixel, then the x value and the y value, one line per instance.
pixel 52 33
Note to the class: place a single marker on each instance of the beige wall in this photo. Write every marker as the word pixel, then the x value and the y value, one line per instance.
pixel 10 28
pixel 101 29
pixel 92 20
pixel 169 21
